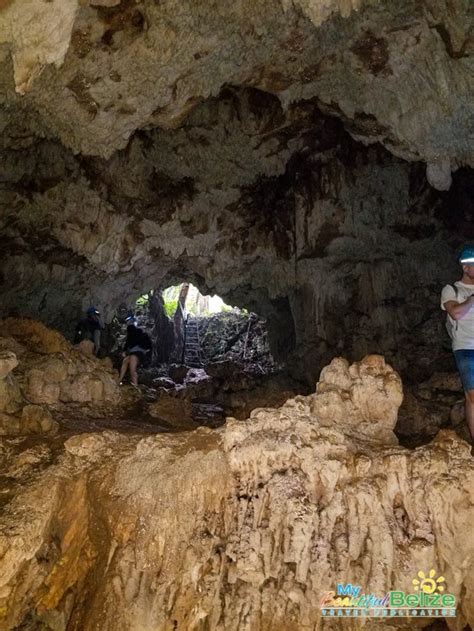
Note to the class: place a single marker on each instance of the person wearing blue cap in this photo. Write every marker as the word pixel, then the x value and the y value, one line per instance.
pixel 131 319
pixel 90 328
pixel 458 301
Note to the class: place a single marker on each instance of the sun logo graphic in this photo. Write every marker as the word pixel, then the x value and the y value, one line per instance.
pixel 428 584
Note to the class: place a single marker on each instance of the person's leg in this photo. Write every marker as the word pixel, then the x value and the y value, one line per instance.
pixel 133 369
pixel 465 364
pixel 96 341
pixel 124 368
pixel 470 412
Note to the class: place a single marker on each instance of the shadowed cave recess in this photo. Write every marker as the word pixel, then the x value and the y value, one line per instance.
pixel 309 162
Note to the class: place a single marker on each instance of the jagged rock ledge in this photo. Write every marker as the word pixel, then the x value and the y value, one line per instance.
pixel 242 528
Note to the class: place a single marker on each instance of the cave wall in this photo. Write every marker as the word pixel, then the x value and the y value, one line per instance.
pixel 293 157
pixel 343 247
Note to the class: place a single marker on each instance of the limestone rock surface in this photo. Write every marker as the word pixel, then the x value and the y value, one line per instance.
pixel 399 73
pixel 48 373
pixel 365 396
pixel 241 529
pixel 171 409
pixel 8 362
pixel 427 407
pixel 313 231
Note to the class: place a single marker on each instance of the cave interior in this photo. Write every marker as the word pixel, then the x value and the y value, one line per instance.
pixel 311 162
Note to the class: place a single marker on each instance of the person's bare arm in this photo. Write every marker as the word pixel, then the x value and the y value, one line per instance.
pixel 457 310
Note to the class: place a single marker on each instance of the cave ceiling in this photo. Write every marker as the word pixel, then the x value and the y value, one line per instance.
pixel 92 73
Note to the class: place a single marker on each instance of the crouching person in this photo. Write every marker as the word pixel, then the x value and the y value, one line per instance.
pixel 90 328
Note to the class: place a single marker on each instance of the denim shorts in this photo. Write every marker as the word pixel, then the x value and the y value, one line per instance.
pixel 465 364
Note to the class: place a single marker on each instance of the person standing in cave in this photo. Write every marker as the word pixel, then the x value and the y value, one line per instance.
pixel 90 328
pixel 458 301
pixel 136 348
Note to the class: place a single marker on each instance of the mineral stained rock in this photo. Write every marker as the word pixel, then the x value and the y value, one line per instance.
pixel 92 97
pixel 245 528
pixel 309 229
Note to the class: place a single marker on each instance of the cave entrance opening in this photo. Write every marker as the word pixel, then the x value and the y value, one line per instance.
pixel 195 330
pixel 209 359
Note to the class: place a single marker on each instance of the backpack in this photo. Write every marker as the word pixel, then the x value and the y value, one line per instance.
pixel 145 341
pixel 452 325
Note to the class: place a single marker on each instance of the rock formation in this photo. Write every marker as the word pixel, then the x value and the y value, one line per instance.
pixel 310 160
pixel 47 373
pixel 239 147
pixel 243 528
pixel 78 67
pixel 223 389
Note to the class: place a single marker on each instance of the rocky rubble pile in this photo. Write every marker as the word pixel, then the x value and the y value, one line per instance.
pixel 238 336
pixel 184 396
pixel 244 528
pixel 41 371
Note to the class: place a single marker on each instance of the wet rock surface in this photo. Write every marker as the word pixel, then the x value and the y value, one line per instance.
pixel 271 512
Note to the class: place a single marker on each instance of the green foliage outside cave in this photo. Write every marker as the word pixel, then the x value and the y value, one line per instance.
pixel 196 304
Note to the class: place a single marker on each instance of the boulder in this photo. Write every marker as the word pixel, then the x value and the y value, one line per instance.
pixel 33 419
pixel 171 409
pixel 10 396
pixel 54 369
pixel 364 396
pixel 49 372
pixel 107 363
pixel 9 425
pixel 163 382
pixel 178 372
pixel 38 390
pixel 8 362
pixel 37 419
pixel 86 347
pixel 34 336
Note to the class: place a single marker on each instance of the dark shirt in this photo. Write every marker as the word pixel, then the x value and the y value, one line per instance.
pixel 85 329
pixel 137 337
pixel 93 324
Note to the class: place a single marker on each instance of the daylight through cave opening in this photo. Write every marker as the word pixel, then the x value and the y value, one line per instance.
pixel 187 327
